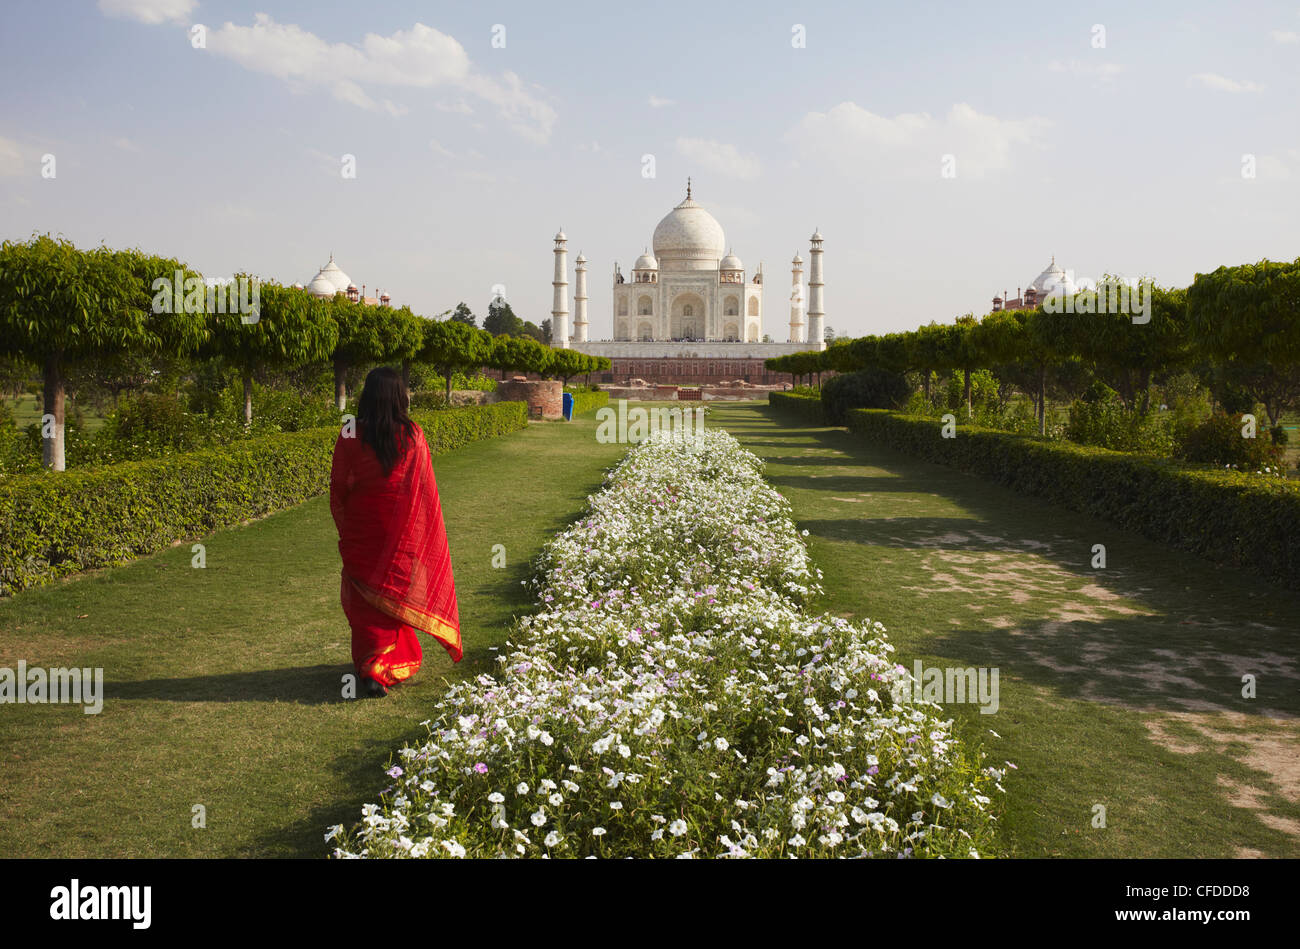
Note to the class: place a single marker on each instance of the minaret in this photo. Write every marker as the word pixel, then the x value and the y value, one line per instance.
pixel 816 335
pixel 560 302
pixel 580 301
pixel 796 301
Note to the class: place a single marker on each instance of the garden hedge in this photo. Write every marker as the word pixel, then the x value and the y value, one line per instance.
pixel 52 525
pixel 807 407
pixel 588 401
pixel 1225 516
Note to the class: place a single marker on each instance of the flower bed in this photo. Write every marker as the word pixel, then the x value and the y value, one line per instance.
pixel 671 698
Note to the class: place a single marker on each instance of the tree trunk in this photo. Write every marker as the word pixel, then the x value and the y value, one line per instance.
pixel 340 385
pixel 248 397
pixel 446 404
pixel 1042 400
pixel 53 394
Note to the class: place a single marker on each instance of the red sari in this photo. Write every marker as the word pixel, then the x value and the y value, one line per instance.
pixel 396 564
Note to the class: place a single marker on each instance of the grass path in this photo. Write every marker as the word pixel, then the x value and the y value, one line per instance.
pixel 224 684
pixel 1119 687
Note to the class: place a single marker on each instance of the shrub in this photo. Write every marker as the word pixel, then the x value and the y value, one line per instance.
pixel 807 407
pixel 587 401
pixel 1099 418
pixel 871 388
pixel 1225 516
pixel 1218 440
pixel 54 525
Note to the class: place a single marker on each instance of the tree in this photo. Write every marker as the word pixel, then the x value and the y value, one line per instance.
pixel 368 334
pixel 462 314
pixel 567 363
pixel 1248 317
pixel 293 329
pixel 524 354
pixel 60 305
pixel 453 346
pixel 501 319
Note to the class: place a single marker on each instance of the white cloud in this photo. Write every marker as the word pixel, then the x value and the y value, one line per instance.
pixel 11 158
pixel 149 11
pixel 657 102
pixel 1286 36
pixel 436 147
pixel 720 157
pixel 418 58
pixel 1214 81
pixel 126 144
pixel 913 143
pixel 1101 72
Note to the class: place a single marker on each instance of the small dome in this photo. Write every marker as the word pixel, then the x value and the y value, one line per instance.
pixel 298 286
pixel 559 235
pixel 731 262
pixel 646 262
pixel 581 259
pixel 817 236
pixel 322 286
pixel 797 260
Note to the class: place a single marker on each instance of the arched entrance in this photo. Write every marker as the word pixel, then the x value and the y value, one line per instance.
pixel 687 317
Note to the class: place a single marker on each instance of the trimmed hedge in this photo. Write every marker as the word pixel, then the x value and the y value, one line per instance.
pixel 1225 516
pixel 588 401
pixel 807 407
pixel 52 525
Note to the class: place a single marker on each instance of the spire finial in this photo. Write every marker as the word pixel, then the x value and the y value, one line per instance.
pixel 688 187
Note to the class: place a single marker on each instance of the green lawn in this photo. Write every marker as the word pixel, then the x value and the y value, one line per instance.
pixel 224 684
pixel 1119 687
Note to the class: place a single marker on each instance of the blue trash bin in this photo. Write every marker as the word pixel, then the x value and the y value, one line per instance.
pixel 568 406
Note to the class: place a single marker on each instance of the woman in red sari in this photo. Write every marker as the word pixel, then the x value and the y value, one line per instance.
pixel 396 564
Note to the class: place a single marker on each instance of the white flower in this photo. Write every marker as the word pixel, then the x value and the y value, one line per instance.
pixel 615 805
pixel 677 827
pixel 598 832
pixel 556 799
pixel 522 788
pixel 538 818
pixel 552 839
pixel 797 841
pixel 455 849
pixel 720 744
pixel 496 797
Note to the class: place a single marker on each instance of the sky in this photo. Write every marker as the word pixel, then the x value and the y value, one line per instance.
pixel 946 151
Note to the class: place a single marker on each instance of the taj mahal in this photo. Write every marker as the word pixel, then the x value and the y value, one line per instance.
pixel 688 312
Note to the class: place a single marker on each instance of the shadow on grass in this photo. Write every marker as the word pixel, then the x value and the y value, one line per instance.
pixel 304 685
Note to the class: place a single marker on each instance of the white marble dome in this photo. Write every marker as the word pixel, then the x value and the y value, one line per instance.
pixel 646 262
pixel 322 286
pixel 1053 281
pixel 689 238
pixel 731 262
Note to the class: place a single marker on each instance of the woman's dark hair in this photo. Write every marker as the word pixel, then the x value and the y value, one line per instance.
pixel 382 419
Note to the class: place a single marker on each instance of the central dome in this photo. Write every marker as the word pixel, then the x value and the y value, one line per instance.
pixel 689 238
